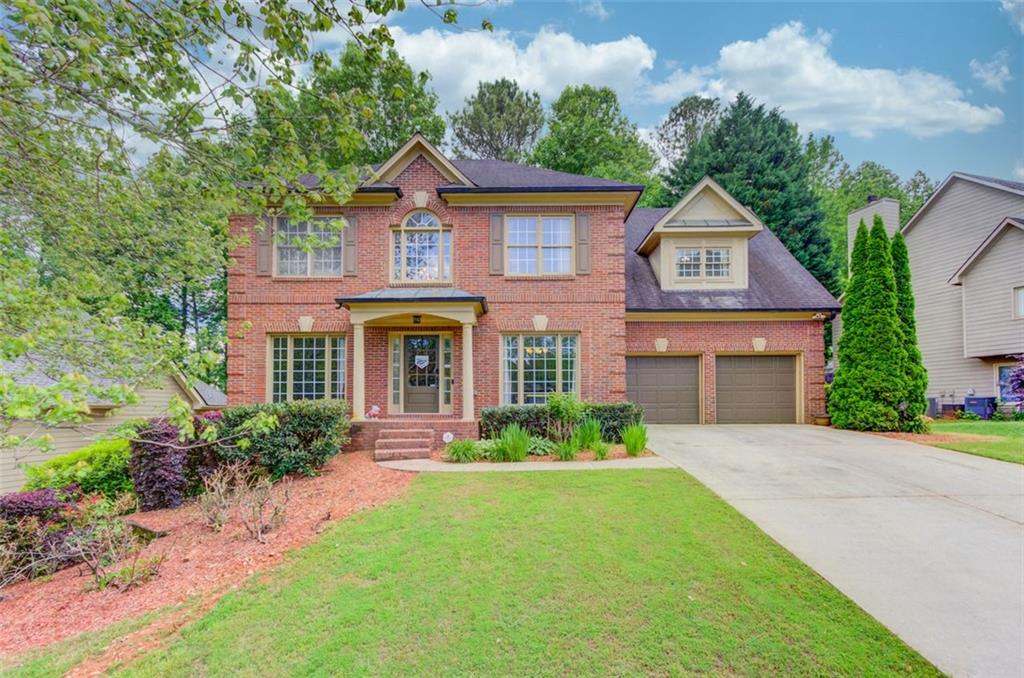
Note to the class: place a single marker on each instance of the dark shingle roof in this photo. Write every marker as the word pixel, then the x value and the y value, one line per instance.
pixel 1014 185
pixel 211 395
pixel 777 281
pixel 497 174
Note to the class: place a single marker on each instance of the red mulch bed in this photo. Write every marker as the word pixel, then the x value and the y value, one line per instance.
pixel 615 452
pixel 196 559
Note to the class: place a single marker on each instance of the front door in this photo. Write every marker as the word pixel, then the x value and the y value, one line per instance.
pixel 422 381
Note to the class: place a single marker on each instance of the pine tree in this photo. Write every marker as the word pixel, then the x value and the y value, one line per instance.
pixel 756 154
pixel 915 376
pixel 869 384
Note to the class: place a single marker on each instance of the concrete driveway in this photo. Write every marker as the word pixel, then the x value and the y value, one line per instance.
pixel 929 542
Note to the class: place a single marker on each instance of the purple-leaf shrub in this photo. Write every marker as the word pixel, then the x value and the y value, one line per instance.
pixel 44 504
pixel 158 466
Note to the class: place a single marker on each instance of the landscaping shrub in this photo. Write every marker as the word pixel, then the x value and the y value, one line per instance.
pixel 567 450
pixel 462 451
pixel 484 448
pixel 967 415
pixel 535 419
pixel 101 467
pixel 157 466
pixel 540 447
pixel 600 450
pixel 512 445
pixel 565 411
pixel 613 417
pixel 588 434
pixel 999 416
pixel 44 504
pixel 308 433
pixel 634 437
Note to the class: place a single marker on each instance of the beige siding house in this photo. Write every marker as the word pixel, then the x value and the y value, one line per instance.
pixel 967 261
pixel 153 402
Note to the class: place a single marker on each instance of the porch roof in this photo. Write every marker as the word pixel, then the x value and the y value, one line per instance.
pixel 444 302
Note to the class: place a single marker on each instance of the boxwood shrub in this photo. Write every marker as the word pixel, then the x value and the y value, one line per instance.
pixel 613 417
pixel 98 468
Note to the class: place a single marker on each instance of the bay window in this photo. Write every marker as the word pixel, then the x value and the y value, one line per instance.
pixel 534 365
pixel 307 367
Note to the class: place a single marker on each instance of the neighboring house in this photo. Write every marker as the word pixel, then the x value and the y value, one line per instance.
pixel 967 261
pixel 463 284
pixel 153 402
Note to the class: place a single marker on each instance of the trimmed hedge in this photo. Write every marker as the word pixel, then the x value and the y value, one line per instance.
pixel 613 417
pixel 308 433
pixel 98 468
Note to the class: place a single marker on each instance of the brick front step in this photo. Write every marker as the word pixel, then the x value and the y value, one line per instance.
pixel 403 443
pixel 405 433
pixel 391 455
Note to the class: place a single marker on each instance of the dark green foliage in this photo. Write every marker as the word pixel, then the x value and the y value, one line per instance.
pixel 869 384
pixel 756 155
pixel 613 417
pixel 500 121
pixel 538 421
pixel 915 376
pixel 462 451
pixel 540 446
pixel 860 247
pixel 308 433
pixel 98 468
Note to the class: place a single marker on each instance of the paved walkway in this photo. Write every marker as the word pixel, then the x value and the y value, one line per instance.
pixel 928 541
pixel 431 466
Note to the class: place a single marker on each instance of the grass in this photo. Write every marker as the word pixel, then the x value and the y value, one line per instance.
pixel 1009 446
pixel 581 573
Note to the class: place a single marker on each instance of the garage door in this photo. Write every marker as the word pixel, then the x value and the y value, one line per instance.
pixel 666 387
pixel 756 389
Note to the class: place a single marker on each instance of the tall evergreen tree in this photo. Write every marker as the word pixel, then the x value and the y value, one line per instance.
pixel 915 375
pixel 756 155
pixel 860 248
pixel 869 384
pixel 500 121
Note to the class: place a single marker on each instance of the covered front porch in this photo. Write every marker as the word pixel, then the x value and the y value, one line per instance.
pixel 405 343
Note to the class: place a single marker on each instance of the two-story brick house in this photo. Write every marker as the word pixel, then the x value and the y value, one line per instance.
pixel 462 284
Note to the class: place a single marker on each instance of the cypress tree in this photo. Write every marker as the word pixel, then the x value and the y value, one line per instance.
pixel 860 246
pixel 869 384
pixel 915 376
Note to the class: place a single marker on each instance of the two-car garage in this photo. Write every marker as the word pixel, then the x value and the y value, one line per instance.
pixel 748 389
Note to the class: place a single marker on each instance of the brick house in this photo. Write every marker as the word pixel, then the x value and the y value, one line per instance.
pixel 463 284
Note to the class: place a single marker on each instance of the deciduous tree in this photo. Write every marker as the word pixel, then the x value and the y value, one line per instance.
pixel 684 126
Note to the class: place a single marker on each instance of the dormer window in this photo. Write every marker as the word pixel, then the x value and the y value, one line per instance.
pixel 421 249
pixel 710 263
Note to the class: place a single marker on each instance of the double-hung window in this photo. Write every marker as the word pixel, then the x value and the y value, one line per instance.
pixel 421 249
pixel 538 245
pixel 307 367
pixel 703 263
pixel 309 249
pixel 534 365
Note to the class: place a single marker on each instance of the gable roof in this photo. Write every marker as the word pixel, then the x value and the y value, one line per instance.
pixel 746 220
pixel 1009 222
pixel 416 146
pixel 777 281
pixel 991 182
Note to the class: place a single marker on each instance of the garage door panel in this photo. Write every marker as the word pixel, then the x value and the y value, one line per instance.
pixel 666 387
pixel 755 389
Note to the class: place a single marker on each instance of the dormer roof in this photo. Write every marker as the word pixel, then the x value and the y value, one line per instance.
pixel 706 208
pixel 418 146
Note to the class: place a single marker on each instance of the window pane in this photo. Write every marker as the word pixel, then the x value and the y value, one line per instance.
pixel 446 368
pixel 422 255
pixel 291 258
pixel 1018 296
pixel 279 369
pixel 338 367
pixel 447 271
pixel 568 364
pixel 522 231
pixel 326 259
pixel 540 368
pixel 557 231
pixel 717 262
pixel 396 371
pixel 422 220
pixel 557 259
pixel 688 262
pixel 510 389
pixel 1004 384
pixel 397 254
pixel 522 260
pixel 308 364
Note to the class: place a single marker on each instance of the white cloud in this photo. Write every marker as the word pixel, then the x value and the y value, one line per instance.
pixel 549 62
pixel 1018 170
pixel 678 84
pixel 793 70
pixel 595 8
pixel 1015 8
pixel 993 74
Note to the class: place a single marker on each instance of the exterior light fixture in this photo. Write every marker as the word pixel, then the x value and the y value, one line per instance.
pixel 417 319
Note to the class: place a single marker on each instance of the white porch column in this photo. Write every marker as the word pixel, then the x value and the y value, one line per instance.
pixel 467 371
pixel 358 377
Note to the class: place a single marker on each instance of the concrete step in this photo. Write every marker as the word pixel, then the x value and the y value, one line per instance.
pixel 405 433
pixel 401 453
pixel 403 443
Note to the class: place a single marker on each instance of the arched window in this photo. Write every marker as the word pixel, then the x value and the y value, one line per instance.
pixel 421 249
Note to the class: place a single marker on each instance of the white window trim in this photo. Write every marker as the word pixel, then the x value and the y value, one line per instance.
pixel 539 247
pixel 328 363
pixel 995 372
pixel 703 277
pixel 397 277
pixel 275 242
pixel 1018 311
pixel 558 364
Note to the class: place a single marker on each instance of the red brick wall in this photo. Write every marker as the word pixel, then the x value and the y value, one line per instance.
pixel 592 304
pixel 798 337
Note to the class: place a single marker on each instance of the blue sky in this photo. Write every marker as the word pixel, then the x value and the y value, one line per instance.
pixel 937 86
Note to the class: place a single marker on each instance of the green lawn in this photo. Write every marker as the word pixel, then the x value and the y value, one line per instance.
pixel 1009 447
pixel 586 573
